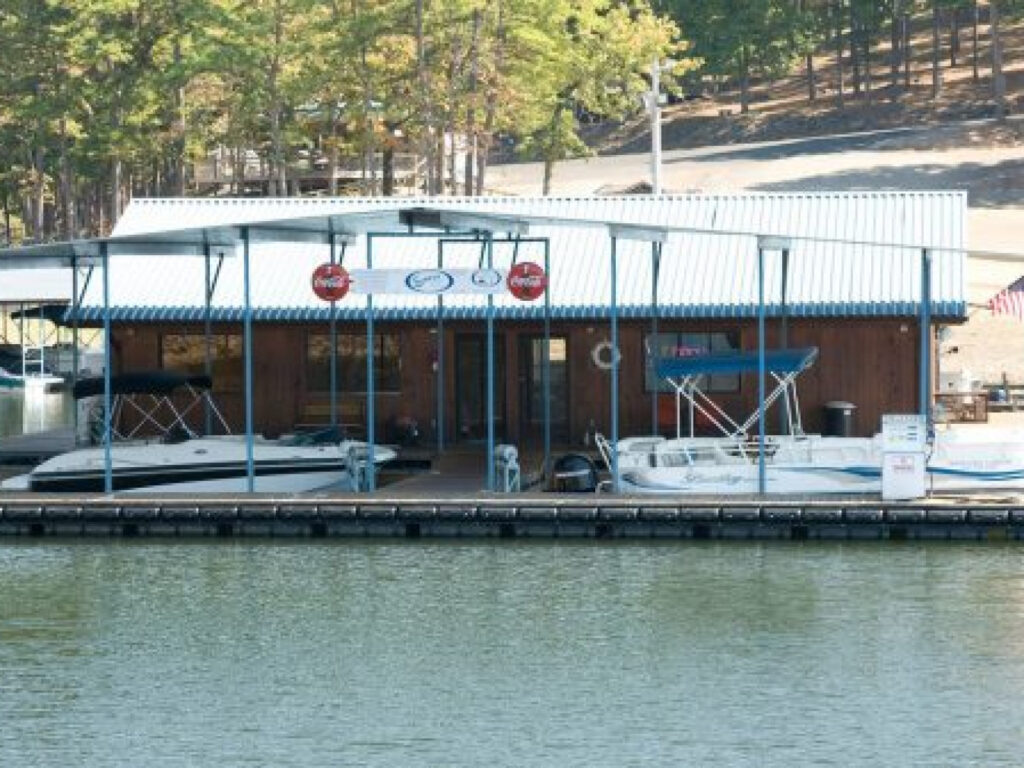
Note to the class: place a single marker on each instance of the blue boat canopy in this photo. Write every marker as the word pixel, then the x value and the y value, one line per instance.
pixel 776 360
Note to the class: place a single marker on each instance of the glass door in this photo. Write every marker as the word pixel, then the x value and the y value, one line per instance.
pixel 531 389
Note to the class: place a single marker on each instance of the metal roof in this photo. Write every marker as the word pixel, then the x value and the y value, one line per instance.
pixel 34 286
pixel 852 254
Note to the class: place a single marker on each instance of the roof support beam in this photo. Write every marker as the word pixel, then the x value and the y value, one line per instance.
pixel 643 234
pixel 482 223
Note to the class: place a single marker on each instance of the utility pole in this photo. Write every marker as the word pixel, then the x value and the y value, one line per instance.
pixel 652 100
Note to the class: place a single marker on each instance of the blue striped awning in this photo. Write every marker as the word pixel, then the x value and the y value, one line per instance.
pixel 94 314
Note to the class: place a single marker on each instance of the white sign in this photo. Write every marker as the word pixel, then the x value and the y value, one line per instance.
pixel 427 282
pixel 904 432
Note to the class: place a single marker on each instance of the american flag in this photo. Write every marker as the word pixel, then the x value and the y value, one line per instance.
pixel 1009 301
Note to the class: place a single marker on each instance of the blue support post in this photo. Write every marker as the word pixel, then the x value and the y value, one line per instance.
pixel 490 370
pixel 439 378
pixel 926 334
pixel 761 479
pixel 108 466
pixel 74 337
pixel 614 468
pixel 250 464
pixel 371 434
pixel 333 338
pixel 546 371
pixel 207 332
pixel 787 426
pixel 655 349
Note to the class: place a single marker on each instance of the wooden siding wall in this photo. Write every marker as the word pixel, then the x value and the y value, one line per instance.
pixel 871 363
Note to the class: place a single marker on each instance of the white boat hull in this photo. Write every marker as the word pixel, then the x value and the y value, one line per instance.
pixel 956 462
pixel 199 465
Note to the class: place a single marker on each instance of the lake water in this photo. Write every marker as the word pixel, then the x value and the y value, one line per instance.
pixel 510 654
pixel 23 413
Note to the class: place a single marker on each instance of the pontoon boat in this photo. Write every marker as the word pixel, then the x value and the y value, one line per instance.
pixel 957 461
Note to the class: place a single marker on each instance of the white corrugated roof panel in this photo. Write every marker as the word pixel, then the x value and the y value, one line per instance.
pixel 35 285
pixel 851 254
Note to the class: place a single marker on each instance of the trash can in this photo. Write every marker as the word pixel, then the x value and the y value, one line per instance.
pixel 839 419
pixel 573 473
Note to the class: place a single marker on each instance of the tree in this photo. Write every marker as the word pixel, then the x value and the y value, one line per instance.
pixel 743 40
pixel 592 56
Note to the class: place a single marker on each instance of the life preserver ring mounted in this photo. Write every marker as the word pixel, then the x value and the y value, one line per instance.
pixel 605 355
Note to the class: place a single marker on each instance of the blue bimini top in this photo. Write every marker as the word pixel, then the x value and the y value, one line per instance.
pixel 776 360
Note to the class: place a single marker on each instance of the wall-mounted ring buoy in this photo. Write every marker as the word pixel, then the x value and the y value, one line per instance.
pixel 605 356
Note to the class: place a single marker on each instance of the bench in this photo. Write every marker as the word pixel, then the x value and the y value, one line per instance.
pixel 351 416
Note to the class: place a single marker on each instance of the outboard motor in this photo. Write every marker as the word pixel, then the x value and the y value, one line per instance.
pixel 573 473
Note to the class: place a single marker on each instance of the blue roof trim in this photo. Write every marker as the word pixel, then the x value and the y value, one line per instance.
pixel 948 309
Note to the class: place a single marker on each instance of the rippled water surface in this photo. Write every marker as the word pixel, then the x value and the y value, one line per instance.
pixel 431 654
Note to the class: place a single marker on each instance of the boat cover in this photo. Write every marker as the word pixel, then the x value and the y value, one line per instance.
pixel 149 383
pixel 776 360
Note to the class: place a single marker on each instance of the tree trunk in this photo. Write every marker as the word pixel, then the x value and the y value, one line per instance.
pixel 936 72
pixel 812 86
pixel 895 40
pixel 278 179
pixel 332 152
pixel 100 217
pixel 116 180
pixel 278 183
pixel 998 78
pixel 238 174
pixel 67 205
pixel 744 82
pixel 490 116
pixel 840 85
pixel 427 139
pixel 974 42
pixel 855 49
pixel 954 35
pixel 907 50
pixel 867 29
pixel 450 126
pixel 177 180
pixel 474 71
pixel 808 62
pixel 549 168
pixel 439 143
pixel 369 137
pixel 388 171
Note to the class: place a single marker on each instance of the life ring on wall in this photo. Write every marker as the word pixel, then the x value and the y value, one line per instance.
pixel 605 355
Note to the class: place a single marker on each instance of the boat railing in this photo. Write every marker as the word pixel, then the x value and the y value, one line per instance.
pixel 139 415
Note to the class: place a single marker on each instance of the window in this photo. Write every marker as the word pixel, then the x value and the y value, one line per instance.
pixel 387 362
pixel 686 344
pixel 186 353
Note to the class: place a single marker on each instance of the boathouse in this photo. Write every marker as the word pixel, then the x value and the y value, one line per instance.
pixel 844 274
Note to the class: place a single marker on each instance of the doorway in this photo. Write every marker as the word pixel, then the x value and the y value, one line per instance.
pixel 471 387
pixel 531 389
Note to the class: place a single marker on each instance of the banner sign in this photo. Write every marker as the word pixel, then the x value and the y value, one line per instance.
pixel 428 282
pixel 526 281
